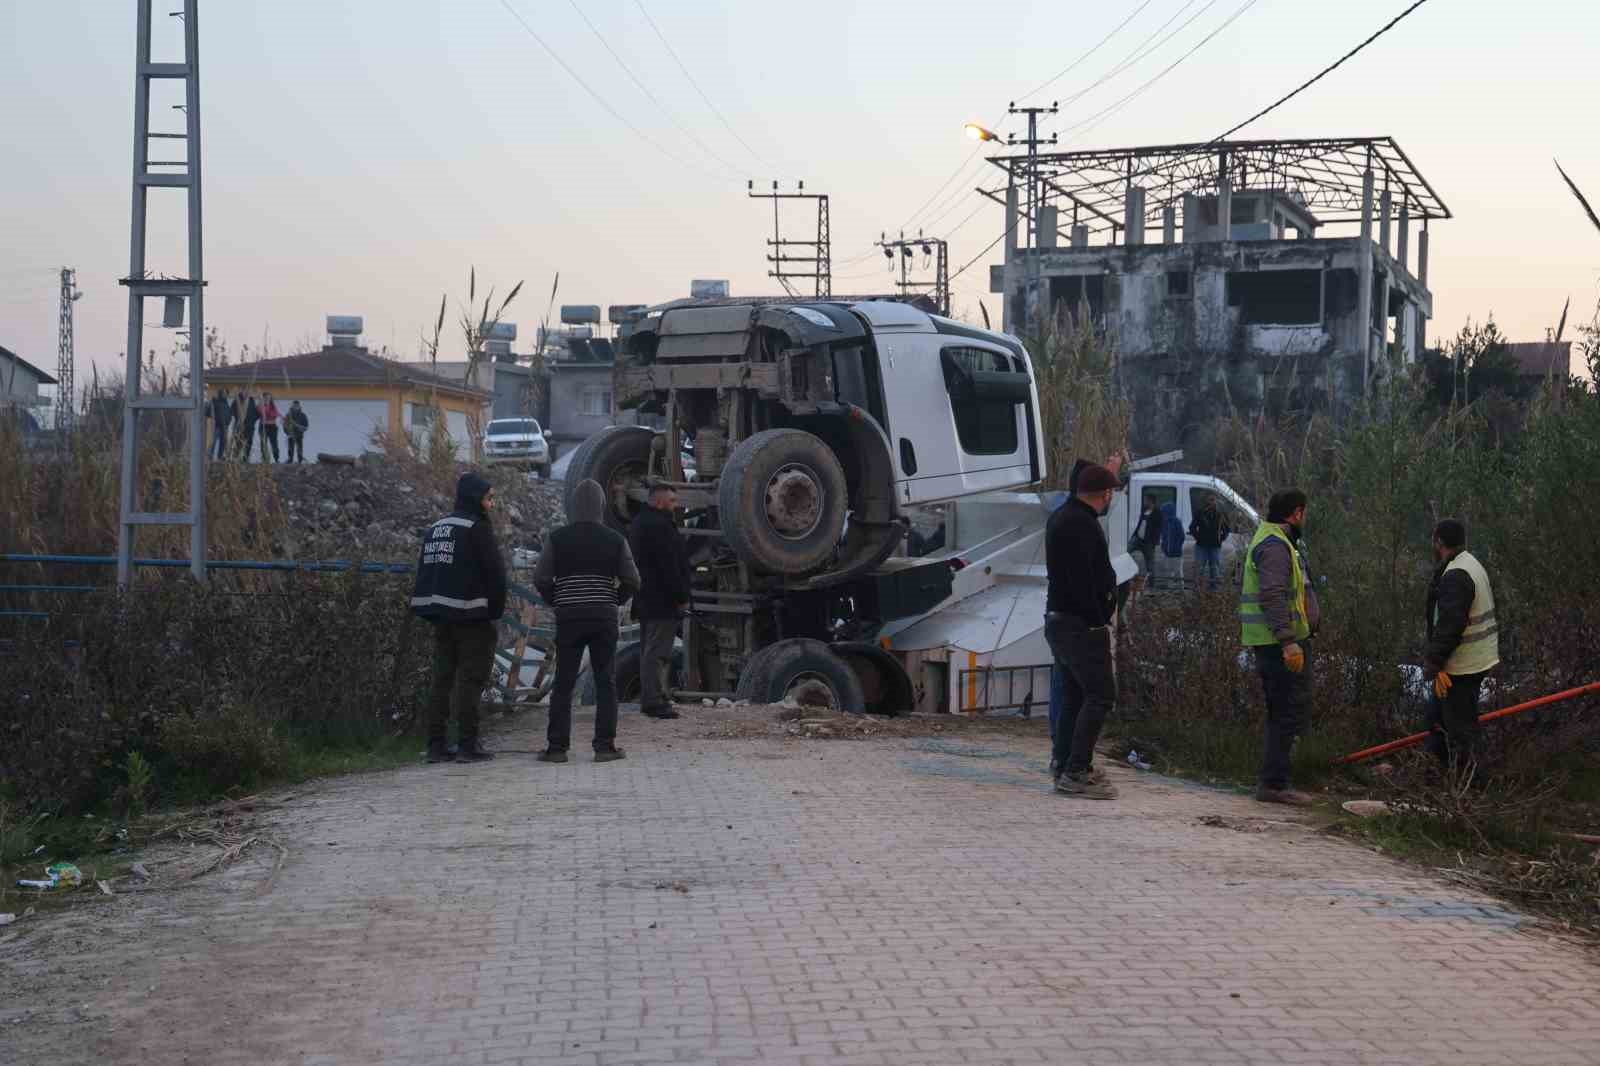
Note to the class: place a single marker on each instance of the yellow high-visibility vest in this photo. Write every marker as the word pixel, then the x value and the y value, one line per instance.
pixel 1253 628
pixel 1480 641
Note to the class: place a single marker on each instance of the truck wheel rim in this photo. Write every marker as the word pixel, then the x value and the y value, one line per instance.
pixel 616 488
pixel 794 501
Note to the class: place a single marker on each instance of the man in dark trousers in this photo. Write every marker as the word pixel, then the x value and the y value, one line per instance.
pixel 1081 602
pixel 1209 529
pixel 1278 613
pixel 295 424
pixel 586 573
pixel 1463 646
pixel 249 419
pixel 221 414
pixel 663 595
pixel 461 589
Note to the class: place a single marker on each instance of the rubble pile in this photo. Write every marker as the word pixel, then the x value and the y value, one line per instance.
pixel 375 509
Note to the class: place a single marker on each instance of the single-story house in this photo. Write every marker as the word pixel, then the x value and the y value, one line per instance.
pixel 1541 359
pixel 19 387
pixel 347 393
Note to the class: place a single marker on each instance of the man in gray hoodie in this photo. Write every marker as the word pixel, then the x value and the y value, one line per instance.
pixel 585 572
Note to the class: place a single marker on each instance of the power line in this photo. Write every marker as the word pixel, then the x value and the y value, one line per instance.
pixel 602 101
pixel 648 94
pixel 1324 72
pixel 1218 139
pixel 1139 52
pixel 1131 56
pixel 1107 112
pixel 714 108
pixel 1057 77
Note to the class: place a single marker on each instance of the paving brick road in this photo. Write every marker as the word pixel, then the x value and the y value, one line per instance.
pixel 788 901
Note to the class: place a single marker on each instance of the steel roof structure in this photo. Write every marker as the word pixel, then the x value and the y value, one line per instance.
pixel 1326 174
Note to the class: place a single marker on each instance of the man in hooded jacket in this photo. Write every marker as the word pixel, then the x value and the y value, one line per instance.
pixel 461 589
pixel 587 573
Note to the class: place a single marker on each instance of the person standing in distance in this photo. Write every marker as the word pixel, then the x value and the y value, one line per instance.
pixel 1463 646
pixel 461 590
pixel 1278 613
pixel 1081 602
pixel 663 598
pixel 586 573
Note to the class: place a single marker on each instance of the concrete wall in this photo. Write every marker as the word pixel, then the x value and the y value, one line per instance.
pixel 1186 358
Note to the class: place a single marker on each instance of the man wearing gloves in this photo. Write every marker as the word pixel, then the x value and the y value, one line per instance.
pixel 587 573
pixel 461 589
pixel 1278 613
pixel 1463 645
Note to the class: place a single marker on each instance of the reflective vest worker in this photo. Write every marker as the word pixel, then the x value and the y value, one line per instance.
pixel 1463 644
pixel 461 589
pixel 1278 613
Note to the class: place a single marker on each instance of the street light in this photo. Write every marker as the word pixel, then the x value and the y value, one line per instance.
pixel 978 133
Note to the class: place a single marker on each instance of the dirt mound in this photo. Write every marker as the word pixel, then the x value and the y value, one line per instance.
pixel 376 509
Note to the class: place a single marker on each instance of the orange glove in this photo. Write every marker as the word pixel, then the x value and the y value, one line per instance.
pixel 1294 657
pixel 1441 684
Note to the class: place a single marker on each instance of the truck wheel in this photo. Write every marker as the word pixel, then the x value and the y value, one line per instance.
pixel 625 667
pixel 805 671
pixel 884 682
pixel 782 498
pixel 618 458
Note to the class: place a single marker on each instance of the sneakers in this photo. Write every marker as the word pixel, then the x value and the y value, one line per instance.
pixel 473 752
pixel 659 712
pixel 611 754
pixel 1084 785
pixel 553 755
pixel 1287 796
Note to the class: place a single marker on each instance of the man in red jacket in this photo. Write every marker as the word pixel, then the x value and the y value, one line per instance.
pixel 269 428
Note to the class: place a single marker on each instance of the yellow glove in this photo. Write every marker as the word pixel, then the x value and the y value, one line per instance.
pixel 1294 657
pixel 1441 684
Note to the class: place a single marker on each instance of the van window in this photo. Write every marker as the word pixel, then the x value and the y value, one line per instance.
pixel 984 427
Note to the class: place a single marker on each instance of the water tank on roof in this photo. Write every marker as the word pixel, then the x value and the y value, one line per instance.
pixel 501 331
pixel 577 314
pixel 344 325
pixel 708 289
pixel 622 314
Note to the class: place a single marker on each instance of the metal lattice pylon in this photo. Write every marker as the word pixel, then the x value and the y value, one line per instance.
pixel 155 174
pixel 66 392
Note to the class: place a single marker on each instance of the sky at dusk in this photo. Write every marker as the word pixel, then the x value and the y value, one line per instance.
pixel 361 155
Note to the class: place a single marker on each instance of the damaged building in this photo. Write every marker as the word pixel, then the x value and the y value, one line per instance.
pixel 1275 277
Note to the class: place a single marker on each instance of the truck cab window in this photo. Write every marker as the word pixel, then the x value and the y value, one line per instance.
pixel 984 426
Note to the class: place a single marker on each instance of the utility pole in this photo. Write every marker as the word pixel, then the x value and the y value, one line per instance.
pixel 821 258
pixel 1031 246
pixel 66 392
pixel 932 248
pixel 165 173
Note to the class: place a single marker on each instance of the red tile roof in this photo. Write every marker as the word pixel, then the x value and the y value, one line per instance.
pixel 340 365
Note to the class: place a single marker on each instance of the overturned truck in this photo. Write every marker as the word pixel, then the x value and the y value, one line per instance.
pixel 797 436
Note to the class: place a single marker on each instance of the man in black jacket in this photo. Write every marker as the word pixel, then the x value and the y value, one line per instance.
pixel 1463 645
pixel 586 573
pixel 220 411
pixel 1081 602
pixel 663 595
pixel 461 589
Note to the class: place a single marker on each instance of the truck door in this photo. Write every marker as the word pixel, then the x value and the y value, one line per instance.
pixel 958 416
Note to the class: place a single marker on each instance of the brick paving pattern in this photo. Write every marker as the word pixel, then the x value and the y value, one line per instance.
pixel 795 902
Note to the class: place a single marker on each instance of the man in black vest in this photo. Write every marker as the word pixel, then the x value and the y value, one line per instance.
pixel 461 589
pixel 586 572
pixel 663 598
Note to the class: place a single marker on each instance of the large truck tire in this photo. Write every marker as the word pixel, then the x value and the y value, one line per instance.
pixel 782 499
pixel 616 457
pixel 885 685
pixel 625 667
pixel 803 670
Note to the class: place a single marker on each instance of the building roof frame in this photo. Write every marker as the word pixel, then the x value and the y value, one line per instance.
pixel 1327 173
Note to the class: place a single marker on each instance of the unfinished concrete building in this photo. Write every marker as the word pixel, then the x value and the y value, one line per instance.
pixel 1259 276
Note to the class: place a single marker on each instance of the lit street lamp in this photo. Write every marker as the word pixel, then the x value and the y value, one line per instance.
pixel 979 133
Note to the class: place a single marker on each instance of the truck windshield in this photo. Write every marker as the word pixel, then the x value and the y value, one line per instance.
pixel 506 427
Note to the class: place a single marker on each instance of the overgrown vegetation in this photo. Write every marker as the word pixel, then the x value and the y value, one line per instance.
pixel 1524 484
